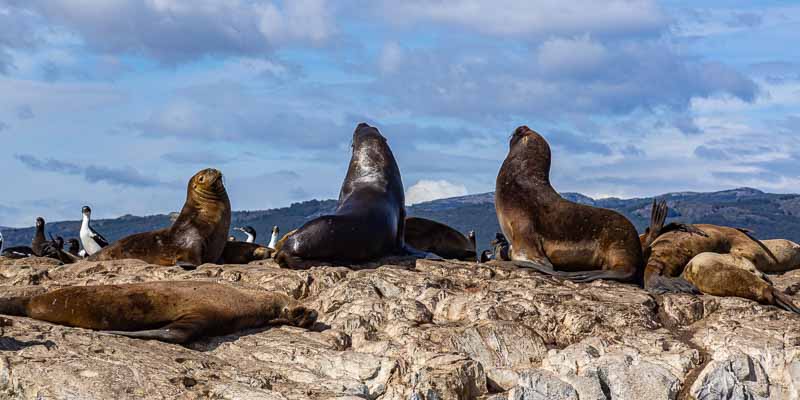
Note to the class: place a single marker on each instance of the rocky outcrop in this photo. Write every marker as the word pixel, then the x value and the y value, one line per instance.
pixel 418 330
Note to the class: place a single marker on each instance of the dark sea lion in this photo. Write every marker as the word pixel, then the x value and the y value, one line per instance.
pixel 197 236
pixel 38 238
pixel 554 234
pixel 435 237
pixel 175 312
pixel 369 220
pixel 237 252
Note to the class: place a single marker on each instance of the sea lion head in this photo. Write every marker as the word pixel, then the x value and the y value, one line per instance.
pixel 372 162
pixel 299 316
pixel 39 222
pixel 364 133
pixel 208 184
pixel 531 148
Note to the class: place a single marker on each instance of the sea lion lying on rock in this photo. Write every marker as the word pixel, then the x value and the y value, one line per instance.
pixel 435 237
pixel 719 260
pixel 175 312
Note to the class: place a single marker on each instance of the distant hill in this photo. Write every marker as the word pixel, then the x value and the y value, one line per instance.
pixel 768 215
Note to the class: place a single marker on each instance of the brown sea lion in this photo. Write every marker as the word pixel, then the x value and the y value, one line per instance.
pixel 197 236
pixel 369 220
pixel 175 312
pixel 237 252
pixel 557 236
pixel 716 255
pixel 39 239
pixel 734 275
pixel 435 237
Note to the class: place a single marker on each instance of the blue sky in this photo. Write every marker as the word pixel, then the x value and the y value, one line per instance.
pixel 116 103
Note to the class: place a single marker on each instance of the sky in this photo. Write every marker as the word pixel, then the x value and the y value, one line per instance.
pixel 117 103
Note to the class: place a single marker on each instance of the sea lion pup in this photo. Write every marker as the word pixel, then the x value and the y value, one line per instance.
pixel 175 312
pixel 435 237
pixel 197 236
pixel 674 248
pixel 734 275
pixel 547 232
pixel 369 220
pixel 237 252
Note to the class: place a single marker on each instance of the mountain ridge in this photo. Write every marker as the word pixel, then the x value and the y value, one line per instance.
pixel 768 215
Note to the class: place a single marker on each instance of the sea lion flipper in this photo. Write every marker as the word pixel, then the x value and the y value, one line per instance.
pixel 785 302
pixel 543 266
pixel 658 284
pixel 165 335
pixel 589 276
pixel 185 265
pixel 181 330
pixel 408 250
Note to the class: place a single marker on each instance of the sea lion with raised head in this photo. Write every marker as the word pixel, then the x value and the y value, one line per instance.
pixel 175 312
pixel 197 236
pixel 553 235
pixel 39 239
pixel 369 220
pixel 435 237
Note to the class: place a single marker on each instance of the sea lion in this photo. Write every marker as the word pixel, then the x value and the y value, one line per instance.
pixel 237 252
pixel 674 248
pixel 787 255
pixel 197 236
pixel 734 275
pixel 554 235
pixel 435 237
pixel 38 238
pixel 369 220
pixel 175 312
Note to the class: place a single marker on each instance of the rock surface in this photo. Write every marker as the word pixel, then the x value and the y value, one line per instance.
pixel 419 330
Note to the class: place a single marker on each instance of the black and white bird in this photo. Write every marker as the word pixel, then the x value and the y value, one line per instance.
pixel 250 232
pixel 74 246
pixel 18 251
pixel 274 239
pixel 91 240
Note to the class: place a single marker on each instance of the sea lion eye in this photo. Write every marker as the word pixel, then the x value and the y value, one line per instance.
pixel 201 179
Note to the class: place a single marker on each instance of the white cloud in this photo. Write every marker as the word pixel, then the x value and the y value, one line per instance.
pixel 534 17
pixel 175 31
pixel 427 190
